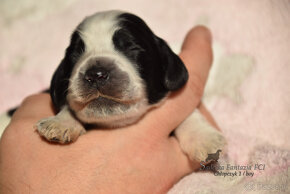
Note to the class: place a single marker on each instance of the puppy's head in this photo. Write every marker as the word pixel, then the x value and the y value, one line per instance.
pixel 114 69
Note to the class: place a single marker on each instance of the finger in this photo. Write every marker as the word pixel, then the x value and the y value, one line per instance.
pixel 34 107
pixel 197 55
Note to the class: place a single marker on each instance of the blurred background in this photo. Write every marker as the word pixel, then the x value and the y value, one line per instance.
pixel 248 91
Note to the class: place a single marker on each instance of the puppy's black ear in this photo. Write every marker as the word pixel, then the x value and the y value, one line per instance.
pixel 60 81
pixel 175 72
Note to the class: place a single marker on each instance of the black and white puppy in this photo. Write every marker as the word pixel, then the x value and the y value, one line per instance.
pixel 114 70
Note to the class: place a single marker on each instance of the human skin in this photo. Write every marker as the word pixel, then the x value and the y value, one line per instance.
pixel 141 158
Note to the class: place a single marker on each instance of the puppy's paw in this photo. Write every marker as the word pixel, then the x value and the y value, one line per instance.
pixel 201 145
pixel 61 131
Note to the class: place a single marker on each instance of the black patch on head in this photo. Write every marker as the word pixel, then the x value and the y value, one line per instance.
pixel 160 68
pixel 60 80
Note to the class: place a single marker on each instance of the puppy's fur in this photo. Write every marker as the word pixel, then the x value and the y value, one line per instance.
pixel 113 71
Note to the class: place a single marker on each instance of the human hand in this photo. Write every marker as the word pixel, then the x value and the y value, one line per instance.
pixel 141 158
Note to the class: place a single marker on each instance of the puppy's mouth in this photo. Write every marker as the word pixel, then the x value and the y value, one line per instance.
pixel 98 98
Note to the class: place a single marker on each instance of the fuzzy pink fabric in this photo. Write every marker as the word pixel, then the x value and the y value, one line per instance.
pixel 251 39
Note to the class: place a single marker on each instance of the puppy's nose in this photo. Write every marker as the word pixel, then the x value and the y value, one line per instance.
pixel 96 76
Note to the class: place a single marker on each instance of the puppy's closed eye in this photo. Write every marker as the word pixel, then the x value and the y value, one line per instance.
pixel 126 43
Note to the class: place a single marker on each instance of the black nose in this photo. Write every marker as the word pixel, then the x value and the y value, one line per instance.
pixel 96 76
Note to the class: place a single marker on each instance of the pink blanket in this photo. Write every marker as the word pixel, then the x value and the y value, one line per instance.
pixel 248 91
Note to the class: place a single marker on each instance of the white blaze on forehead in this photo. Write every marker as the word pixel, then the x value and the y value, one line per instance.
pixel 97 31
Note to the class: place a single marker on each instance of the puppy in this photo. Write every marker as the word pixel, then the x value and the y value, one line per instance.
pixel 114 70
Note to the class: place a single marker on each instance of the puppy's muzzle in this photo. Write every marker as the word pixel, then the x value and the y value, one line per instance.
pixel 101 77
pixel 98 72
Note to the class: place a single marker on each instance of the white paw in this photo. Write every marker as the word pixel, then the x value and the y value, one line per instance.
pixel 61 131
pixel 198 138
pixel 201 145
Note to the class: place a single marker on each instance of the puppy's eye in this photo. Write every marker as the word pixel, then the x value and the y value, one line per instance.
pixel 123 40
pixel 127 43
pixel 135 48
pixel 130 45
